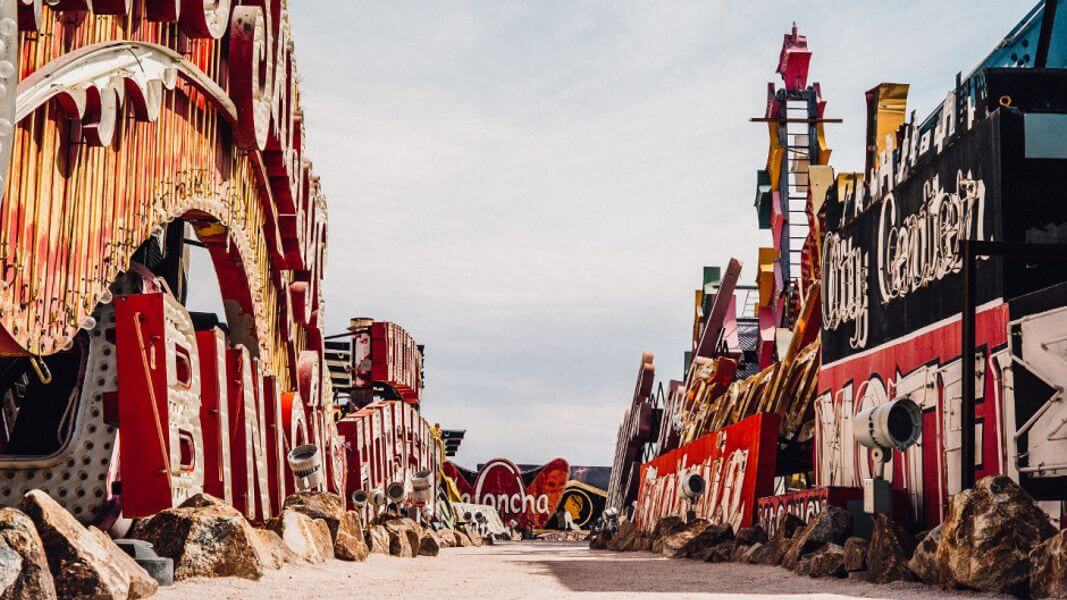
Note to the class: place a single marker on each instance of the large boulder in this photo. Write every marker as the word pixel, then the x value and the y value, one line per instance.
pixel 308 538
pixel 1048 568
pixel 710 536
pixel 276 553
pixel 671 545
pixel 205 538
pixel 827 561
pixel 84 562
pixel 142 584
pixel 378 540
pixel 830 526
pixel 721 552
pixel 855 550
pixel 599 540
pixel 10 568
pixel 625 532
pixel 746 536
pixel 890 550
pixel 786 527
pixel 923 563
pixel 349 541
pixel 447 538
pixel 748 554
pixel 643 543
pixel 462 539
pixel 475 538
pixel 666 526
pixel 34 580
pixel 405 536
pixel 988 535
pixel 318 505
pixel 429 545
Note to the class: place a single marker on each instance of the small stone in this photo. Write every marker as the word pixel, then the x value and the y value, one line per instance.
pixel 475 537
pixel 804 565
pixel 889 551
pixel 1048 568
pixel 856 554
pixel 598 540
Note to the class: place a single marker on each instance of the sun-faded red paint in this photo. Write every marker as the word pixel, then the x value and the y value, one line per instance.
pixel 936 348
pixel 737 462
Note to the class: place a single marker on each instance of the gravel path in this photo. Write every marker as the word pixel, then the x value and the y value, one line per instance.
pixel 540 570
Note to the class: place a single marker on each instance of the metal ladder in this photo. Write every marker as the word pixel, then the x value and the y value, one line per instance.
pixel 797 161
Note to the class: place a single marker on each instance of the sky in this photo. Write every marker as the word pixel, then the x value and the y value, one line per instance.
pixel 532 189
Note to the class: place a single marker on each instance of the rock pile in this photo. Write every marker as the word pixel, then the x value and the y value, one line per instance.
pixel 994 539
pixel 45 553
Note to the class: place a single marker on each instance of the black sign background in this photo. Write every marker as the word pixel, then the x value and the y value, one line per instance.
pixel 1025 200
pixel 972 152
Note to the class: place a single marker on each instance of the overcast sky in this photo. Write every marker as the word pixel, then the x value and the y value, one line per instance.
pixel 531 189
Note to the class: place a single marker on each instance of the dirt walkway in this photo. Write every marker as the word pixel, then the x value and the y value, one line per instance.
pixel 540 570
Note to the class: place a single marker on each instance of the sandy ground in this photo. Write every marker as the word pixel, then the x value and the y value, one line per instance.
pixel 540 570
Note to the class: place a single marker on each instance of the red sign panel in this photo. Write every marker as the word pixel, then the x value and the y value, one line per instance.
pixel 737 462
pixel 395 360
pixel 805 504
pixel 502 485
pixel 924 366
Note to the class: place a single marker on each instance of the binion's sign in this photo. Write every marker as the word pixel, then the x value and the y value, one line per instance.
pixel 737 462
